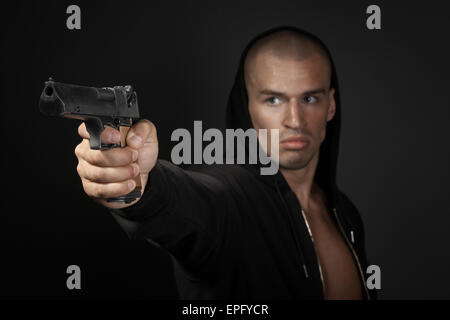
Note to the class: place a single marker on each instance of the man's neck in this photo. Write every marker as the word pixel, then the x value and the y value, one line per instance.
pixel 301 181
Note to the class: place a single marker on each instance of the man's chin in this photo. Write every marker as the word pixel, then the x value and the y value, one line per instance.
pixel 294 162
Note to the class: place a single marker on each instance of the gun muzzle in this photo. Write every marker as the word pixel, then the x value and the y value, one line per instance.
pixel 50 103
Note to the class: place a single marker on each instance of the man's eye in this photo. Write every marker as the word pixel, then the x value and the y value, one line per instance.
pixel 310 99
pixel 274 101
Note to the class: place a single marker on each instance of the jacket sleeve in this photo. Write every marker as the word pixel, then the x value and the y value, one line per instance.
pixel 183 211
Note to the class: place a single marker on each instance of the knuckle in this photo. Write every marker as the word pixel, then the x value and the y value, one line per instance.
pixel 81 150
pixel 78 151
pixel 97 175
pixel 88 188
pixel 96 157
pixel 79 169
pixel 99 191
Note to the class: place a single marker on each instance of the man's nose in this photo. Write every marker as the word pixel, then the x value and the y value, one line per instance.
pixel 294 115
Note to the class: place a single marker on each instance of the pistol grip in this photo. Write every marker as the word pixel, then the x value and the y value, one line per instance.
pixel 136 193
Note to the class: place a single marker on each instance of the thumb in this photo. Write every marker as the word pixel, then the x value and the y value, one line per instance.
pixel 144 131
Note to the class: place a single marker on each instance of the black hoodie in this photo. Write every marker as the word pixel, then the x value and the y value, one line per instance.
pixel 234 233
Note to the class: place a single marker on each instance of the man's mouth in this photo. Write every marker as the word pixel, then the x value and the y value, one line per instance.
pixel 295 143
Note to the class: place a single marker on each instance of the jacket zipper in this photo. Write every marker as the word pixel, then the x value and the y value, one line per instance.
pixel 315 250
pixel 354 254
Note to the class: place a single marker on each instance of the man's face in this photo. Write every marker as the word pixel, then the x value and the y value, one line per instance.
pixel 293 96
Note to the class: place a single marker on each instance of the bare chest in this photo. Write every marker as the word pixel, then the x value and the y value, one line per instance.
pixel 339 271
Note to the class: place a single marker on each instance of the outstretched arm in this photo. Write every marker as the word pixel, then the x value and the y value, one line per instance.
pixel 185 212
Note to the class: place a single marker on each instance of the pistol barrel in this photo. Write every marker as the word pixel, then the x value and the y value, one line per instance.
pixel 79 102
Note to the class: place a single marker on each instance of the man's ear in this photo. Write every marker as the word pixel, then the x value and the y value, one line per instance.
pixel 331 106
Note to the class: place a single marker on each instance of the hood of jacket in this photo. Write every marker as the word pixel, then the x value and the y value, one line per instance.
pixel 238 117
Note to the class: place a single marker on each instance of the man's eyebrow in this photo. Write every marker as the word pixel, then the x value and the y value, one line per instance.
pixel 271 93
pixel 277 93
pixel 315 91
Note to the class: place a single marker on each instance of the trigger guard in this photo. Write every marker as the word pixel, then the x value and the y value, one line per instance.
pixel 95 127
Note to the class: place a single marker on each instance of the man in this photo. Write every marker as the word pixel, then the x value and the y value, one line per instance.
pixel 230 231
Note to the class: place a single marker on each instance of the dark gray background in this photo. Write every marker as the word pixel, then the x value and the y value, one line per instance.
pixel 182 58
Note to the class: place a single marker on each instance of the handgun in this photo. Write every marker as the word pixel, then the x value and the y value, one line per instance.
pixel 116 107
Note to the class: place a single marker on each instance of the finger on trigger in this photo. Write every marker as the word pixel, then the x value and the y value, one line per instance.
pixel 110 135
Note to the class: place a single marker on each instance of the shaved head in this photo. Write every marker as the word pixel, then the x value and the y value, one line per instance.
pixel 288 81
pixel 285 45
